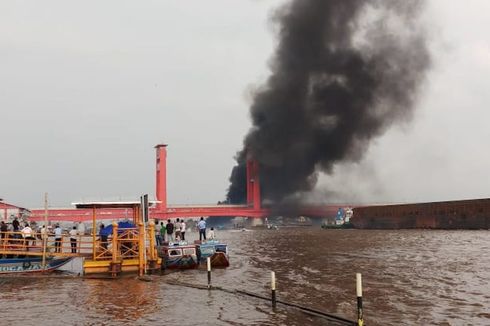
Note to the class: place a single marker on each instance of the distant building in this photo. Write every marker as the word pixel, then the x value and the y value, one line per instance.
pixel 8 212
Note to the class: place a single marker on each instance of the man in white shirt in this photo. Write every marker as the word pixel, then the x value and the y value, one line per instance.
pixel 177 230
pixel 26 232
pixel 182 230
pixel 43 232
pixel 57 238
pixel 27 235
pixel 211 234
pixel 73 240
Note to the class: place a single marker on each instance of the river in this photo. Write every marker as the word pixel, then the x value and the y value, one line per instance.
pixel 410 277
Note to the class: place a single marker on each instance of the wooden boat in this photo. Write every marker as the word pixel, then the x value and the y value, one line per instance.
pixel 179 256
pixel 30 264
pixel 217 251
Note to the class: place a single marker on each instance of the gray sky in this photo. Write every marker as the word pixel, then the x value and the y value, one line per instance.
pixel 87 88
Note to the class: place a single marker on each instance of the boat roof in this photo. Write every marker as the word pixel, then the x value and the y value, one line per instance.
pixel 112 204
pixel 211 243
pixel 5 205
pixel 178 245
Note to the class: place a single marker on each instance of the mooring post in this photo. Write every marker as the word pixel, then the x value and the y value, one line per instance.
pixel 115 249
pixel 153 253
pixel 273 289
pixel 209 271
pixel 141 248
pixel 360 320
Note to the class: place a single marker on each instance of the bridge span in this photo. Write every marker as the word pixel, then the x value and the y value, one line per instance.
pixel 253 208
pixel 82 215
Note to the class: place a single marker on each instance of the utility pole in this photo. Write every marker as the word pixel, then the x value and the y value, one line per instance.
pixel 45 235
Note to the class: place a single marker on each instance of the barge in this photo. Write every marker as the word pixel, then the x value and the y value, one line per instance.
pixel 472 214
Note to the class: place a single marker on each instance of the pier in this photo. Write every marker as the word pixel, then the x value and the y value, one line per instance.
pixel 128 248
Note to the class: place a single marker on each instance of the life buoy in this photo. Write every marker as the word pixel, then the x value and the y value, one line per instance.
pixel 26 264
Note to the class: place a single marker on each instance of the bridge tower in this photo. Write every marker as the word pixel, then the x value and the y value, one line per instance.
pixel 161 170
pixel 253 184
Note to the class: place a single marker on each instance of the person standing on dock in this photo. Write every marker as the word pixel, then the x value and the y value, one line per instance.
pixel 158 236
pixel 103 236
pixel 182 230
pixel 170 231
pixel 211 235
pixel 16 224
pixel 4 229
pixel 44 234
pixel 202 229
pixel 27 235
pixel 163 230
pixel 73 240
pixel 57 238
pixel 16 228
pixel 177 230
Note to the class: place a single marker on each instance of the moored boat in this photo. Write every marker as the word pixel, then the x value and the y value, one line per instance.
pixel 179 256
pixel 31 264
pixel 216 250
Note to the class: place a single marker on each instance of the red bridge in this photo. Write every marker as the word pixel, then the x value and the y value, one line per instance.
pixel 162 210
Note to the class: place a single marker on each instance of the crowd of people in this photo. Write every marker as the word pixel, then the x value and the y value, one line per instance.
pixel 27 237
pixel 175 232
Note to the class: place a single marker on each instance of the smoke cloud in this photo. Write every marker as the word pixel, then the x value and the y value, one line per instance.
pixel 342 73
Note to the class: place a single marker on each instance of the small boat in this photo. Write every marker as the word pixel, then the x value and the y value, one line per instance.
pixel 216 250
pixel 178 256
pixel 30 264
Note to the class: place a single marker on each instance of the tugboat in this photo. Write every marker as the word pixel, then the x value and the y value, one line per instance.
pixel 342 220
pixel 179 255
pixel 216 250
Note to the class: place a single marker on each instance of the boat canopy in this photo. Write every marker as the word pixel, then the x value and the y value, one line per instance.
pixel 121 227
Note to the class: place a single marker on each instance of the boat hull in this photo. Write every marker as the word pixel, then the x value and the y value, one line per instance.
pixel 30 265
pixel 220 259
pixel 218 252
pixel 175 256
pixel 184 262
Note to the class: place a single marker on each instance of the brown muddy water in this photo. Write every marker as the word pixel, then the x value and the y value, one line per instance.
pixel 411 277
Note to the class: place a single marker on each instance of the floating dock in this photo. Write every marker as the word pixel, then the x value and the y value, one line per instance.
pixel 129 247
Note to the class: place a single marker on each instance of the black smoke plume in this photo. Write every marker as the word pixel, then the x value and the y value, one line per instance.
pixel 343 72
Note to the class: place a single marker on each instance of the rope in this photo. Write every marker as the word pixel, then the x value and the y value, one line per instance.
pixel 319 313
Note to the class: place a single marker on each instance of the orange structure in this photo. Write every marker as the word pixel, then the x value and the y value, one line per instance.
pixel 163 210
pixel 161 176
pixel 253 185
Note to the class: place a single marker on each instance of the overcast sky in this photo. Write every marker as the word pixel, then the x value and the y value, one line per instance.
pixel 87 88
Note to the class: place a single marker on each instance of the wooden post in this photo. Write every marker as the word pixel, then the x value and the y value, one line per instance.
pixel 141 248
pixel 273 289
pixel 115 249
pixel 208 260
pixel 94 232
pixel 360 317
pixel 44 237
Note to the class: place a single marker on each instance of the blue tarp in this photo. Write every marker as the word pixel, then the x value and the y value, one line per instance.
pixel 121 226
